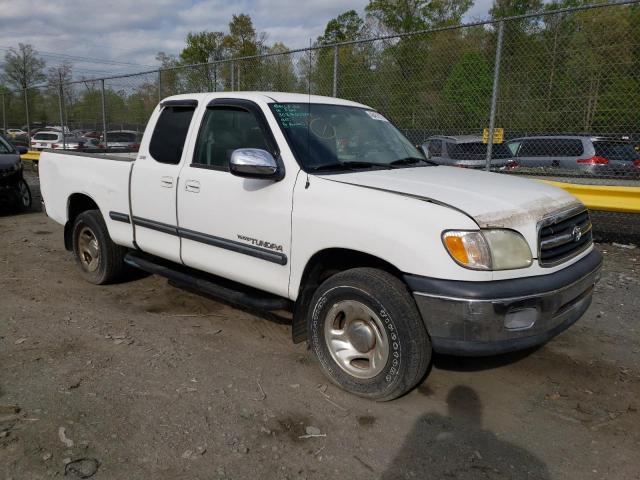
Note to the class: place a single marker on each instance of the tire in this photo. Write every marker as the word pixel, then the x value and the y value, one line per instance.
pixel 99 259
pixel 24 195
pixel 366 332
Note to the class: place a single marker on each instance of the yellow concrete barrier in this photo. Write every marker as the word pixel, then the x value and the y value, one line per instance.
pixel 31 155
pixel 606 198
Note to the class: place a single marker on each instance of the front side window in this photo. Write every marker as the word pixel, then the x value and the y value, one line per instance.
pixel 170 134
pixel 324 136
pixel 225 129
pixel 5 147
pixel 435 148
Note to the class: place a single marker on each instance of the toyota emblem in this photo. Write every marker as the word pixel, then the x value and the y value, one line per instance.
pixel 576 233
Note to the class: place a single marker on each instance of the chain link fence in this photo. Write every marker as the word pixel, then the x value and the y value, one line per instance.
pixel 558 91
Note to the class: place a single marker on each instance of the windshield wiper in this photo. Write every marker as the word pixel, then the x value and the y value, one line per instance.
pixel 411 161
pixel 350 165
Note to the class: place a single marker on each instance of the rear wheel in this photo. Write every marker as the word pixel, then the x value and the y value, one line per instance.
pixel 367 334
pixel 99 259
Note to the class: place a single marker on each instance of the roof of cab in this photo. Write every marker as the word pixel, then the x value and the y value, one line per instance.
pixel 268 97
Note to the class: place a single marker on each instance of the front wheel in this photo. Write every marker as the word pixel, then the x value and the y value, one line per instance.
pixel 367 334
pixel 24 195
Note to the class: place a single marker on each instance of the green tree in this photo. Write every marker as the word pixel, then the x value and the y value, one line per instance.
pixel 202 48
pixel 22 67
pixel 468 89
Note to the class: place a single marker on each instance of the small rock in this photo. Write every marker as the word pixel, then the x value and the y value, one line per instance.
pixel 201 450
pixel 4 433
pixel 46 456
pixel 187 454
pixel 312 431
pixel 63 437
pixel 629 246
pixel 444 436
pixel 66 461
pixel 20 340
pixel 243 449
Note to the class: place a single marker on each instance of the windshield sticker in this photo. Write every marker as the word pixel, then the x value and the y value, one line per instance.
pixel 292 115
pixel 376 116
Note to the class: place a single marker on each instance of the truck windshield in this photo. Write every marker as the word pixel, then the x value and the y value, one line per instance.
pixel 326 137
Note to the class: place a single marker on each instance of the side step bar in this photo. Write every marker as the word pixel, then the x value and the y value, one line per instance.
pixel 197 281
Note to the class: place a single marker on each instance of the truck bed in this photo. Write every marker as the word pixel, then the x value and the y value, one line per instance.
pixel 104 178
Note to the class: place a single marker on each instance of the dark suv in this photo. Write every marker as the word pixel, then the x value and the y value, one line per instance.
pixel 14 191
pixel 466 151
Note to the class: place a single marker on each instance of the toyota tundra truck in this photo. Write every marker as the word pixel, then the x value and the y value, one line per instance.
pixel 321 207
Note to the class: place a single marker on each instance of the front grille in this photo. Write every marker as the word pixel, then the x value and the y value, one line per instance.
pixel 563 236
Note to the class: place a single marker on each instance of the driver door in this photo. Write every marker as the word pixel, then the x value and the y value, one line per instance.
pixel 237 228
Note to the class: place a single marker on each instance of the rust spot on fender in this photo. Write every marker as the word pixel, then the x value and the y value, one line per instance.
pixel 531 212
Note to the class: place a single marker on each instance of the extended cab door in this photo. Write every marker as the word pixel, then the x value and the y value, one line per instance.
pixel 154 181
pixel 237 228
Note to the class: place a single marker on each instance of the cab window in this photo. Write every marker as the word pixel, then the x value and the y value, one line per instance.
pixel 225 129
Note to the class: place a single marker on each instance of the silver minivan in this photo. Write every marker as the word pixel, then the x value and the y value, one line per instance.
pixel 576 154
pixel 466 151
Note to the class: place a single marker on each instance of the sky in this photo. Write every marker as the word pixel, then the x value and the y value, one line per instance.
pixel 125 35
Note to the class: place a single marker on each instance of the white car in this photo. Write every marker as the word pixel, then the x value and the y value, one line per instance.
pixel 15 132
pixel 45 139
pixel 322 207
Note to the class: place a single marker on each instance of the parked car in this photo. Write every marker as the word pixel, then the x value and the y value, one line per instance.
pixel 14 191
pixel 577 154
pixel 321 206
pixel 122 140
pixel 91 134
pixel 466 151
pixel 45 139
pixel 15 132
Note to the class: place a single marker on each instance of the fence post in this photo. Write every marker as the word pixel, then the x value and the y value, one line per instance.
pixel 26 112
pixel 159 85
pixel 238 89
pixel 233 74
pixel 215 76
pixel 494 93
pixel 104 115
pixel 60 106
pixel 4 116
pixel 335 71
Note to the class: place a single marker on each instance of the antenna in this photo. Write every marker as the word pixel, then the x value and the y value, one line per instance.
pixel 306 185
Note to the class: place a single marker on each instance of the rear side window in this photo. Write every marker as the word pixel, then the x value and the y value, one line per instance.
pixel 616 151
pixel 476 151
pixel 170 134
pixel 551 147
pixel 225 129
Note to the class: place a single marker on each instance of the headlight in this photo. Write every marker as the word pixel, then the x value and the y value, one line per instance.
pixel 495 249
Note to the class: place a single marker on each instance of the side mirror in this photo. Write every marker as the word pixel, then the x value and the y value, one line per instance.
pixel 22 150
pixel 425 151
pixel 254 163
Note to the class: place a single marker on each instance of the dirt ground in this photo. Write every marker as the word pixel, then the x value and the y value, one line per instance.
pixel 141 380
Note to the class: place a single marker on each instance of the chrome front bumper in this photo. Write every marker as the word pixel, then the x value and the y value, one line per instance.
pixel 487 318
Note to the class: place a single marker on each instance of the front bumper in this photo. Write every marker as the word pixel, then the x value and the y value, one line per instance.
pixel 487 318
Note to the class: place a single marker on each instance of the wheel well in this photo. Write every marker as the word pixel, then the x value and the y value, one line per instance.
pixel 321 266
pixel 77 203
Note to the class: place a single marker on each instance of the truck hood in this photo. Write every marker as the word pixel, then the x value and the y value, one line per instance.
pixel 491 199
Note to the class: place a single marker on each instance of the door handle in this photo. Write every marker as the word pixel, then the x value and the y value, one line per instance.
pixel 166 182
pixel 192 186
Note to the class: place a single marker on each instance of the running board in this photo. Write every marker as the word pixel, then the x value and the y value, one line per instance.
pixel 201 282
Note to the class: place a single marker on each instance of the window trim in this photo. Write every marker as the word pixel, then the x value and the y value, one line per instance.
pixel 173 103
pixel 251 107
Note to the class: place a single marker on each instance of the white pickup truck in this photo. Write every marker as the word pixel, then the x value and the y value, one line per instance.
pixel 320 206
